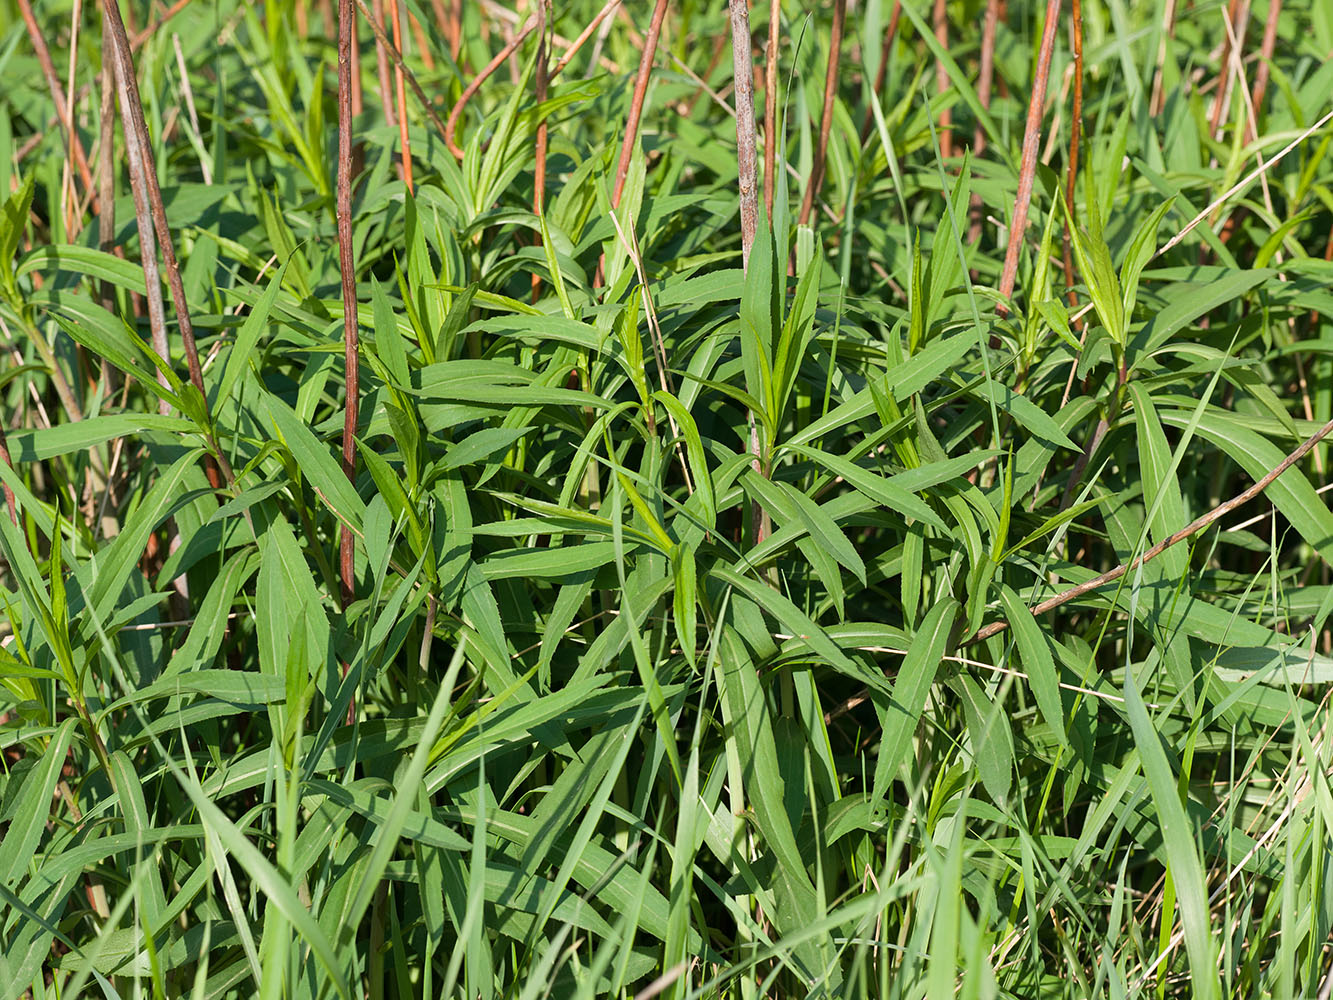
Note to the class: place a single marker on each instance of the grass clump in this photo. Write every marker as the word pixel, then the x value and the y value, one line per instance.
pixel 824 591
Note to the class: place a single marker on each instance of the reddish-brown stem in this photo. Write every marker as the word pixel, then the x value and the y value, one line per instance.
pixel 441 19
pixel 453 29
pixel 1031 142
pixel 347 265
pixel 986 73
pixel 400 94
pixel 881 74
pixel 382 69
pixel 985 84
pixel 631 140
pixel 73 212
pixel 1222 94
pixel 358 99
pixel 9 493
pixel 1194 527
pixel 106 185
pixel 1265 55
pixel 539 167
pixel 1075 138
pixel 423 44
pixel 481 78
pixel 771 105
pixel 583 36
pixel 941 25
pixel 57 94
pixel 826 115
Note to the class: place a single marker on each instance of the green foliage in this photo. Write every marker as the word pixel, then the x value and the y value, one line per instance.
pixel 661 663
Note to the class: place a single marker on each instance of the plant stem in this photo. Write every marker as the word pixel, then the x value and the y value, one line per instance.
pixel 631 139
pixel 826 116
pixel 771 105
pixel 1031 142
pixel 347 266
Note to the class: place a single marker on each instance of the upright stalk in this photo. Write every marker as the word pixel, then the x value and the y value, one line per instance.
pixel 746 145
pixel 826 116
pixel 400 95
pixel 771 104
pixel 941 19
pixel 382 69
pixel 539 167
pixel 1031 142
pixel 631 140
pixel 347 265
pixel 1075 138
pixel 148 199
pixel 1261 72
pixel 747 169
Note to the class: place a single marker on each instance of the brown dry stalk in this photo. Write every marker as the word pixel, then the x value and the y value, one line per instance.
pixel 882 73
pixel 746 144
pixel 63 111
pixel 771 105
pixel 73 216
pixel 358 103
pixel 157 322
pixel 475 85
pixel 382 68
pixel 106 178
pixel 1168 31
pixel 631 139
pixel 1031 142
pixel 941 19
pixel 747 170
pixel 986 74
pixel 985 84
pixel 1194 527
pixel 144 178
pixel 378 30
pixel 400 95
pixel 826 116
pixel 1222 93
pixel 1265 55
pixel 347 265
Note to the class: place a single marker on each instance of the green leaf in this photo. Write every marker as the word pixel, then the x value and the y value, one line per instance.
pixel 317 465
pixel 247 338
pixel 901 712
pixel 1035 655
pixel 1178 844
pixel 33 807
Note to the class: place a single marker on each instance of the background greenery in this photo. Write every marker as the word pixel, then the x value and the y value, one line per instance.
pixel 626 703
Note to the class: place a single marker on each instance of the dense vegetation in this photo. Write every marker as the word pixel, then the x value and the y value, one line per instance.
pixel 693 640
